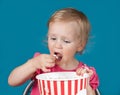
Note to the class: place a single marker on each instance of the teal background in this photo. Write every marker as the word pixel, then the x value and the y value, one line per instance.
pixel 23 30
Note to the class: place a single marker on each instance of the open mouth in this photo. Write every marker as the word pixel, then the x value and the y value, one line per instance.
pixel 58 56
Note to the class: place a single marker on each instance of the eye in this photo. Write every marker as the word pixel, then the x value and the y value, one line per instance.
pixel 52 38
pixel 67 41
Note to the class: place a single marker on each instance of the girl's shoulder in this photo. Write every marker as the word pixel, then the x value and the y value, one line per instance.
pixel 36 54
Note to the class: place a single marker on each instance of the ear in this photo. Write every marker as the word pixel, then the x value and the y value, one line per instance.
pixel 81 47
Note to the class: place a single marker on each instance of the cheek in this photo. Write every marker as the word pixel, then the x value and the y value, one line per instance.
pixel 50 45
pixel 70 50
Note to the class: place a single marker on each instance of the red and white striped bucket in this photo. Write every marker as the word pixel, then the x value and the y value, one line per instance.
pixel 62 83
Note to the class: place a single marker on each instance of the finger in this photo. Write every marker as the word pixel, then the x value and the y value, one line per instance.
pixel 49 64
pixel 50 59
pixel 53 57
pixel 78 71
pixel 83 71
pixel 90 72
pixel 46 69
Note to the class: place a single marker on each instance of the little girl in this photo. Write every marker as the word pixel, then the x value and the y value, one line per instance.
pixel 68 32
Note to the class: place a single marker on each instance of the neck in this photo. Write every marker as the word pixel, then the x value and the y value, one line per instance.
pixel 68 65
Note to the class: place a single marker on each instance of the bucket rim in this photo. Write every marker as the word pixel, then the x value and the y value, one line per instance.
pixel 45 76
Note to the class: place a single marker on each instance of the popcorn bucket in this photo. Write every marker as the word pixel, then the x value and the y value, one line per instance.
pixel 62 83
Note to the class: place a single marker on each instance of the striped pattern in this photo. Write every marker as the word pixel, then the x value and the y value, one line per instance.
pixel 67 87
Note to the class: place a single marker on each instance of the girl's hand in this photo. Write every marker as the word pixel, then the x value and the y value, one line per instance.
pixel 81 71
pixel 43 62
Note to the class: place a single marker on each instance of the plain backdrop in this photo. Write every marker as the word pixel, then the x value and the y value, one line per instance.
pixel 23 28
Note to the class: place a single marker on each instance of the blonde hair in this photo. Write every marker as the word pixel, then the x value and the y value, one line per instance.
pixel 71 14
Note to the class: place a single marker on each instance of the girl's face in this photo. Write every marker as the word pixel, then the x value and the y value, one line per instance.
pixel 63 40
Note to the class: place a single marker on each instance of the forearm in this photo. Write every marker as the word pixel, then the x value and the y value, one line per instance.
pixel 21 74
pixel 90 91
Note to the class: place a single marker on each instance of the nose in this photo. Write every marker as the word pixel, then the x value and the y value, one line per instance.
pixel 58 45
